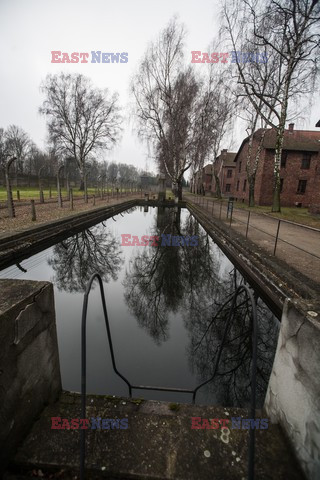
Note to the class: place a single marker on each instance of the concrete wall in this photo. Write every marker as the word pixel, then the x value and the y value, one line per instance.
pixel 29 359
pixel 293 395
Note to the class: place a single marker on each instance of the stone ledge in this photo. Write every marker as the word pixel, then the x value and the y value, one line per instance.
pixel 159 444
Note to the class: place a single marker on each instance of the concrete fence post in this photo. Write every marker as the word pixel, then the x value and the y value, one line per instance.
pixel 71 199
pixel 33 211
pixel 10 203
pixel 60 201
pixel 248 224
pixel 277 236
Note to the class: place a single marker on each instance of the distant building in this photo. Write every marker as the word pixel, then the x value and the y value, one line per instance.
pixel 300 168
pixel 201 182
pixel 224 169
pixel 145 181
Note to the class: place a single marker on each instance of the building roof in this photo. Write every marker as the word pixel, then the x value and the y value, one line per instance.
pixel 227 158
pixel 207 168
pixel 301 140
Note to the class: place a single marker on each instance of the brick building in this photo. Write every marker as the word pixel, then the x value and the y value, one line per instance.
pixel 201 181
pixel 224 168
pixel 300 168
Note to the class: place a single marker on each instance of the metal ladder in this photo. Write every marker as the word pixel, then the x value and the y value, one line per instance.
pixel 233 300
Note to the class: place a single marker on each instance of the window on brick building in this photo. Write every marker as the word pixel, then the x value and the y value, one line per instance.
pixel 302 185
pixel 281 185
pixel 240 166
pixel 238 184
pixel 244 185
pixel 284 156
pixel 306 160
pixel 229 173
pixel 228 187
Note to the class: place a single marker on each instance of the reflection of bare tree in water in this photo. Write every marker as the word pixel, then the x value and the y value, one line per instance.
pixel 74 260
pixel 231 385
pixel 163 280
pixel 153 284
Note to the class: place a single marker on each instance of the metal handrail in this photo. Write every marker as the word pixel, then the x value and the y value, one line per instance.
pixel 180 390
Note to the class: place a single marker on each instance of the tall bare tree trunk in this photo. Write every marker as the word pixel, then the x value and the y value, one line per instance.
pixel 60 203
pixel 251 181
pixel 86 187
pixel 276 169
pixel 218 187
pixel 40 184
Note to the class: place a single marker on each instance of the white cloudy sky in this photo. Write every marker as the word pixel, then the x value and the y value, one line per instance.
pixel 31 29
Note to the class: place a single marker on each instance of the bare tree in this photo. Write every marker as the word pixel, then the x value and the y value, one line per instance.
pixel 222 110
pixel 290 31
pixel 254 148
pixel 18 144
pixel 169 106
pixel 81 119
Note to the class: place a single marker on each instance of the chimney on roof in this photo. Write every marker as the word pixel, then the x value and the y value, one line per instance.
pixel 224 151
pixel 291 127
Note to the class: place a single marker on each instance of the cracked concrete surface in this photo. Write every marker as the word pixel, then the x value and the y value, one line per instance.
pixel 293 395
pixel 29 360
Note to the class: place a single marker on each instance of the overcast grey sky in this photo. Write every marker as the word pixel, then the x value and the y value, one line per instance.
pixel 31 29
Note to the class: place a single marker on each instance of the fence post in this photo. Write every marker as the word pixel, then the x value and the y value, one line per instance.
pixel 212 206
pixel 276 242
pixel 18 195
pixel 94 200
pixel 220 210
pixel 41 196
pixel 71 199
pixel 231 215
pixel 248 224
pixel 50 193
pixel 33 211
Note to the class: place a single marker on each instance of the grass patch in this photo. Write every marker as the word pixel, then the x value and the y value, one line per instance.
pixel 174 407
pixel 293 214
pixel 137 401
pixel 28 193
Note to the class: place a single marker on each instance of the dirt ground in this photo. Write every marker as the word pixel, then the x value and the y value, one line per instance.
pixel 50 211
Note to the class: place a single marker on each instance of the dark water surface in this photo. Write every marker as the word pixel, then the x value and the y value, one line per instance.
pixel 162 305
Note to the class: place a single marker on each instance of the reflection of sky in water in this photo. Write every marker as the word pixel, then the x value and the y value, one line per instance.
pixel 138 356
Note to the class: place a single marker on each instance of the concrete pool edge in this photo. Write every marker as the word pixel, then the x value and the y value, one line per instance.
pixel 274 279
